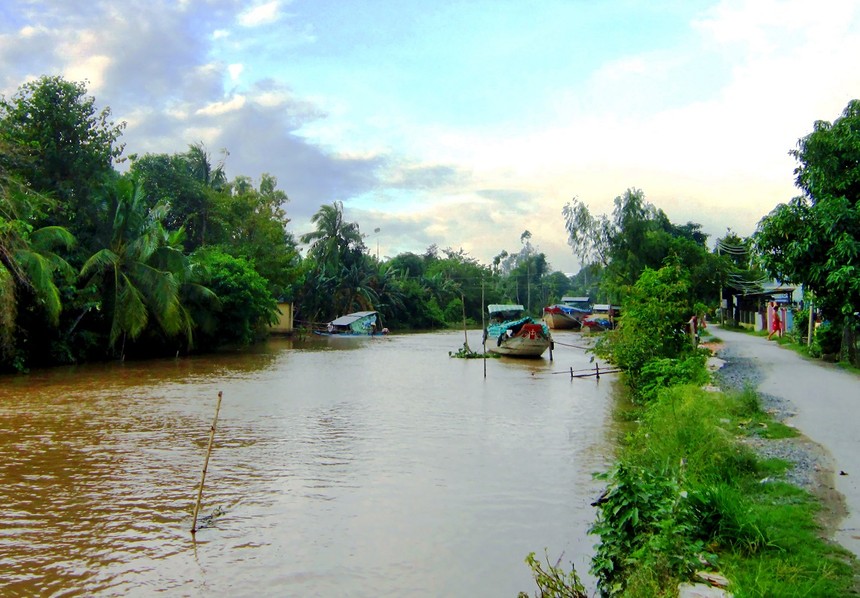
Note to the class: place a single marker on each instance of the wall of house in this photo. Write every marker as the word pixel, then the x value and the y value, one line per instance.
pixel 285 320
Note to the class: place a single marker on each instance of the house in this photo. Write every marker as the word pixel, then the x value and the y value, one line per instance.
pixel 285 320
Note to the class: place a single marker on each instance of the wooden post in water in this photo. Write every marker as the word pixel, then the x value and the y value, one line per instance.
pixel 484 328
pixel 206 465
pixel 465 330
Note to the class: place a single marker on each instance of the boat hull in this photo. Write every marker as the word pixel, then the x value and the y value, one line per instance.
pixel 530 340
pixel 520 347
pixel 561 321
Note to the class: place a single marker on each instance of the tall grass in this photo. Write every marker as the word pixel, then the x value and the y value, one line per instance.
pixel 687 491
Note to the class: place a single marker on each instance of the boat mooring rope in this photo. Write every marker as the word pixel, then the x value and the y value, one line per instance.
pixel 555 342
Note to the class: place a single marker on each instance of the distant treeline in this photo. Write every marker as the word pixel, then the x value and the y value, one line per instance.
pixel 170 257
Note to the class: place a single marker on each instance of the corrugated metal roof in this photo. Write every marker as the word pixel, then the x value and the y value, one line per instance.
pixel 351 318
pixel 496 307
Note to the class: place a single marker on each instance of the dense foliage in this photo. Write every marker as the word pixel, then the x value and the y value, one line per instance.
pixel 616 251
pixel 171 256
pixel 815 238
pixel 95 264
pixel 652 340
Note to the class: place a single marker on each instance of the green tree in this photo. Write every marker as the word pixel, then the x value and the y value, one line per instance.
pixel 188 185
pixel 589 236
pixel 815 238
pixel 252 224
pixel 640 236
pixel 653 325
pixel 140 270
pixel 246 306
pixel 71 148
pixel 355 290
pixel 28 260
pixel 335 242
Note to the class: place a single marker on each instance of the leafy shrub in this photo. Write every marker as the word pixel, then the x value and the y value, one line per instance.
pixel 553 582
pixel 653 326
pixel 644 521
pixel 246 305
pixel 658 374
pixel 828 338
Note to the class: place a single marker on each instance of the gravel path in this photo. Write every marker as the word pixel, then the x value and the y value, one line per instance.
pixel 809 459
pixel 823 403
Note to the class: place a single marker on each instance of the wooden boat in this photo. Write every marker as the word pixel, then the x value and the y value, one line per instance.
pixel 602 318
pixel 511 333
pixel 568 314
pixel 360 323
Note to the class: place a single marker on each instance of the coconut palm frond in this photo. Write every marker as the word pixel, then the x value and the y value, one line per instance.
pixel 104 259
pixel 40 277
pixel 131 315
pixel 8 307
pixel 49 237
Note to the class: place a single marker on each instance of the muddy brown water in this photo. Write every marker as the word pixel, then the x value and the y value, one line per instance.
pixel 342 467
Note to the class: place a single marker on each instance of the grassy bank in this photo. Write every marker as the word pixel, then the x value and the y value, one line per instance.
pixel 688 494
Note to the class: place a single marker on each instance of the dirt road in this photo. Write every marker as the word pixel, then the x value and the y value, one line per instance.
pixel 825 402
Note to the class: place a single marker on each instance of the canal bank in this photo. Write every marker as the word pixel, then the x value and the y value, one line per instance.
pixel 823 403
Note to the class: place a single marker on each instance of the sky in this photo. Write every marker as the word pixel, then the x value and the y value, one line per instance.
pixel 457 123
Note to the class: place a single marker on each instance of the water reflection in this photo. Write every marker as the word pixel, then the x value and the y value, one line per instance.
pixel 371 467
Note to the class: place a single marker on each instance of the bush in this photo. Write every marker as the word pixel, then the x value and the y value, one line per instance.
pixel 653 326
pixel 645 522
pixel 827 339
pixel 658 374
pixel 246 305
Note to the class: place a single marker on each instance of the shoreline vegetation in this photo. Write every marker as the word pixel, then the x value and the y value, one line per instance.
pixel 709 486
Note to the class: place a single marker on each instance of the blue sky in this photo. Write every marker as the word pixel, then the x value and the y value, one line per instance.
pixel 464 123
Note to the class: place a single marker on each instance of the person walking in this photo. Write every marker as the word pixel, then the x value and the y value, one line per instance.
pixel 775 323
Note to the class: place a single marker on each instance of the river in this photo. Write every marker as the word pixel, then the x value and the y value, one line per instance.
pixel 342 467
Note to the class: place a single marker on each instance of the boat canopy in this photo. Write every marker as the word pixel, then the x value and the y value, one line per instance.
pixel 507 311
pixel 360 321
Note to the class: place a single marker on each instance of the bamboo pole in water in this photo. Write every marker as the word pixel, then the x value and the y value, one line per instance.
pixel 484 328
pixel 465 329
pixel 206 465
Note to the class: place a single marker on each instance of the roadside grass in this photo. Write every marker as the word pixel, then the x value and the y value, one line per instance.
pixel 688 494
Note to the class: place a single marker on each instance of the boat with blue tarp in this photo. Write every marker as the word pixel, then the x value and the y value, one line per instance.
pixel 511 332
pixel 568 314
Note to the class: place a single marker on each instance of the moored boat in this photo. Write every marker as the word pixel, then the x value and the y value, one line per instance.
pixel 360 323
pixel 602 318
pixel 568 314
pixel 511 333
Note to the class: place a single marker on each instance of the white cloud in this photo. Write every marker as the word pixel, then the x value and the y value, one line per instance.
pixel 235 71
pixel 262 14
pixel 270 99
pixel 220 108
pixel 91 69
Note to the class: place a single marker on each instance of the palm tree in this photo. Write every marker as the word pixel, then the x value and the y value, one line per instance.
pixel 334 239
pixel 211 181
pixel 27 258
pixel 355 289
pixel 141 270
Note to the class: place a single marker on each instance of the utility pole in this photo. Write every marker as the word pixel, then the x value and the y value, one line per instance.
pixel 376 230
